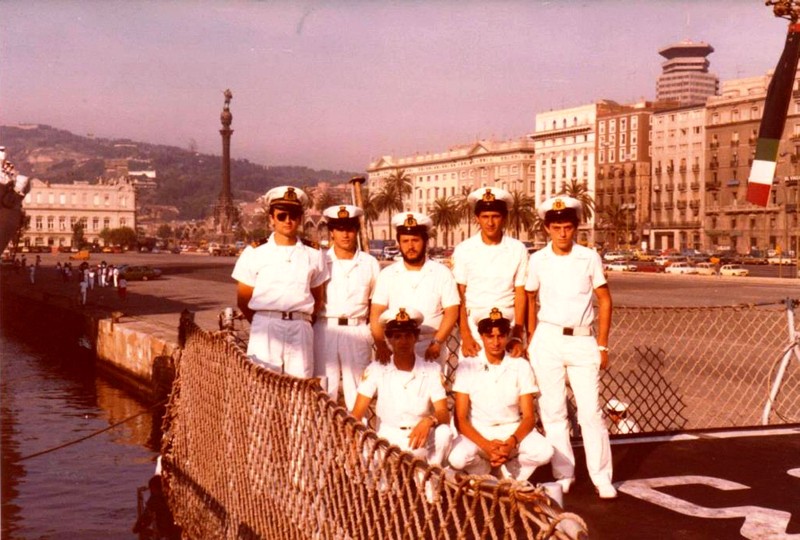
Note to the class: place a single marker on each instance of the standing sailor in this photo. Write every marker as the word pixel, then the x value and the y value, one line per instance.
pixel 280 288
pixel 342 338
pixel 416 282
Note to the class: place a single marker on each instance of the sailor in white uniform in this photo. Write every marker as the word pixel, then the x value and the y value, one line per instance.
pixel 490 270
pixel 412 403
pixel 564 277
pixel 618 421
pixel 495 410
pixel 416 282
pixel 280 288
pixel 342 338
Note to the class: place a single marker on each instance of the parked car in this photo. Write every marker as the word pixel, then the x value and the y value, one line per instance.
pixel 680 268
pixel 390 252
pixel 621 266
pixel 137 273
pixel 706 269
pixel 612 256
pixel 733 270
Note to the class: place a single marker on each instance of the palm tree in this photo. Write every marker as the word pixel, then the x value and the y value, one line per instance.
pixel 390 197
pixel 324 199
pixel 615 218
pixel 536 229
pixel 445 214
pixel 580 191
pixel 371 210
pixel 521 212
pixel 465 210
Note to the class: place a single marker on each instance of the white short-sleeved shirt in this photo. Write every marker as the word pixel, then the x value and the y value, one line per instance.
pixel 281 276
pixel 404 397
pixel 429 290
pixel 566 284
pixel 494 389
pixel 351 283
pixel 490 272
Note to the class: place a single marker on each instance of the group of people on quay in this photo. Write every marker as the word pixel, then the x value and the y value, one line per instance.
pixel 526 324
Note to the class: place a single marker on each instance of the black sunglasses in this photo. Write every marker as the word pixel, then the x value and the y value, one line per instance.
pixel 283 216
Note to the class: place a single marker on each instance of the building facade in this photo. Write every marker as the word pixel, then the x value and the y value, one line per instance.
pixel 678 178
pixel 54 209
pixel 454 174
pixel 685 77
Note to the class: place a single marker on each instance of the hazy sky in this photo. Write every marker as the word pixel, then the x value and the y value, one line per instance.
pixel 335 84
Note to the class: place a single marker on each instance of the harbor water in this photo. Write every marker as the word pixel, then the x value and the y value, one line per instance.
pixel 51 394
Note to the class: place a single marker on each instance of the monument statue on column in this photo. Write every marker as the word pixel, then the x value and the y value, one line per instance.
pixel 226 216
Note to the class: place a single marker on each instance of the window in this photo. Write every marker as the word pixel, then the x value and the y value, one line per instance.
pixel 106 223
pixel 96 199
pixel 62 198
pixel 612 126
pixel 62 223
pixel 95 223
pixel 601 156
pixel 39 223
pixel 610 155
pixel 623 124
pixel 634 122
pixel 622 154
pixel 632 154
pixel 50 222
pixel 602 130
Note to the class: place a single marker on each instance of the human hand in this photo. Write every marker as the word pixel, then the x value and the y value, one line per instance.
pixel 433 351
pixel 603 359
pixel 419 435
pixel 469 347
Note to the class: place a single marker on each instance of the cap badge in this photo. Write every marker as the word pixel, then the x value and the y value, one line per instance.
pixel 290 195
pixel 410 221
pixel 488 196
pixel 495 315
pixel 402 316
pixel 343 213
pixel 558 204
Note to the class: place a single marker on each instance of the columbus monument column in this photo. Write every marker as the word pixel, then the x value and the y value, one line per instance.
pixel 225 213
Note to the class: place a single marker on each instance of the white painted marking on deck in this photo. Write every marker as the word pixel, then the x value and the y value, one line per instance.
pixel 759 523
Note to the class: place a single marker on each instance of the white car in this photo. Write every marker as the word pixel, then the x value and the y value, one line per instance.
pixel 706 269
pixel 680 268
pixel 621 266
pixel 733 270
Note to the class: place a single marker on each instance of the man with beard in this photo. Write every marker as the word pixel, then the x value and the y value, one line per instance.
pixel 490 270
pixel 342 339
pixel 419 283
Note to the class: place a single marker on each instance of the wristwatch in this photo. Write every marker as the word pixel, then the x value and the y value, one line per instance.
pixel 603 348
pixel 437 341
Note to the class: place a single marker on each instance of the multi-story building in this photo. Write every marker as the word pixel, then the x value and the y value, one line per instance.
pixel 732 123
pixel 454 174
pixel 685 77
pixel 565 143
pixel 678 178
pixel 54 209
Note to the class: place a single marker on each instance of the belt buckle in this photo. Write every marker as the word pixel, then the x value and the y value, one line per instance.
pixel 286 315
pixel 569 331
pixel 343 321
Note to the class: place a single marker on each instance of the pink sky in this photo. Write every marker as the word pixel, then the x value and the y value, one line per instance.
pixel 335 84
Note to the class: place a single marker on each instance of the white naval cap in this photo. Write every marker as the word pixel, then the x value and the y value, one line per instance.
pixel 560 206
pixel 489 198
pixel 492 319
pixel 401 319
pixel 412 223
pixel 286 198
pixel 616 405
pixel 342 212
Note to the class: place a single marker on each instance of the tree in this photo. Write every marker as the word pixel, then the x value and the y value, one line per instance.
pixel 614 218
pixel 521 212
pixel 78 233
pixel 580 191
pixel 123 236
pixel 536 229
pixel 390 197
pixel 164 232
pixel 465 210
pixel 324 199
pixel 445 214
pixel 105 236
pixel 371 210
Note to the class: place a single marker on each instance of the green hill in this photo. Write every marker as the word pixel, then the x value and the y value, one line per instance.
pixel 187 180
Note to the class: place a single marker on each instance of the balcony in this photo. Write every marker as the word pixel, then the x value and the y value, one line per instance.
pixel 713 145
pixel 682 186
pixel 631 189
pixel 695 186
pixel 735 143
pixel 713 165
pixel 670 169
pixel 696 167
pixel 681 205
pixel 668 206
pixel 734 182
pixel 791 181
pixel 657 187
pixel 657 170
pixel 694 204
pixel 683 169
pixel 656 206
pixel 670 187
pixel 790 207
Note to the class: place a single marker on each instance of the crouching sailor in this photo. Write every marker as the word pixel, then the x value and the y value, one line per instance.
pixel 495 409
pixel 412 404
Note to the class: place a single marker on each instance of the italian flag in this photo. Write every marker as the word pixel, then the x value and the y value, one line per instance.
pixel 779 95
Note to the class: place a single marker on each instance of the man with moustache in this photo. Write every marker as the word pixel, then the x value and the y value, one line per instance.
pixel 342 338
pixel 564 277
pixel 280 288
pixel 490 270
pixel 495 408
pixel 416 282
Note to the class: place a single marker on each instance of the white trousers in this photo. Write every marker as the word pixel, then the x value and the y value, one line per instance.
pixel 554 357
pixel 533 451
pixel 282 346
pixel 344 351
pixel 435 448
